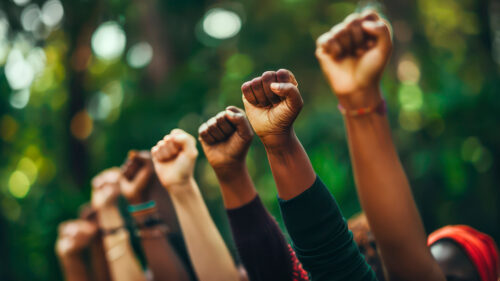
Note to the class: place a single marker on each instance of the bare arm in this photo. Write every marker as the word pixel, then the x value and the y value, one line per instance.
pixel 161 257
pixel 314 221
pixel 261 245
pixel 73 238
pixel 174 158
pixel 353 56
pixel 120 255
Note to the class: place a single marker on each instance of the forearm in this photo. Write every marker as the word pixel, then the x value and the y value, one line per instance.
pixel 291 167
pixel 387 200
pixel 162 260
pixel 261 245
pixel 236 186
pixel 74 268
pixel 161 257
pixel 119 253
pixel 321 238
pixel 209 254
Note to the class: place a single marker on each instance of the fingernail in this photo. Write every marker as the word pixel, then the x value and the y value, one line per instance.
pixel 275 86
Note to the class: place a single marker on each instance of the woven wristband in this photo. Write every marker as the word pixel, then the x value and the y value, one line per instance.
pixel 141 207
pixel 380 108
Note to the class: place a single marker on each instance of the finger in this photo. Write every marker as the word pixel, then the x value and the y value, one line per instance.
pixel 224 125
pixel 163 151
pixel 357 34
pixel 285 76
pixel 380 30
pixel 258 91
pixel 323 39
pixel 345 41
pixel 204 135
pixel 186 142
pixel 269 77
pixel 288 91
pixel 171 146
pixel 370 15
pixel 246 89
pixel 239 120
pixel 334 48
pixel 214 130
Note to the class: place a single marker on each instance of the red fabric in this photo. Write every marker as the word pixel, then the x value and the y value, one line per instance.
pixel 299 274
pixel 480 248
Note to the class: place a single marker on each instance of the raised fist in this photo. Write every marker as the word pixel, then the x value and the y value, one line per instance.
pixel 272 102
pixel 74 236
pixel 226 138
pixel 136 174
pixel 105 188
pixel 174 157
pixel 353 55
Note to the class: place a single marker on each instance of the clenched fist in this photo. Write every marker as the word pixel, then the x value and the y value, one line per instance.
pixel 136 174
pixel 74 236
pixel 272 103
pixel 226 138
pixel 174 158
pixel 353 55
pixel 106 188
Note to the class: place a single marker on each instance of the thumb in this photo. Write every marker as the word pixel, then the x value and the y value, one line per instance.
pixel 239 120
pixel 288 91
pixel 380 30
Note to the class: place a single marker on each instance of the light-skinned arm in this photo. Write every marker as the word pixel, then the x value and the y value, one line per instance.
pixel 120 255
pixel 174 158
pixel 74 237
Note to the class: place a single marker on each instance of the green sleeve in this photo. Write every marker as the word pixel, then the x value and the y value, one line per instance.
pixel 320 236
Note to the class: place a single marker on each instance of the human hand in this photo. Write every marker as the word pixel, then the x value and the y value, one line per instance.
pixel 136 174
pixel 272 103
pixel 353 55
pixel 105 188
pixel 225 139
pixel 174 158
pixel 74 236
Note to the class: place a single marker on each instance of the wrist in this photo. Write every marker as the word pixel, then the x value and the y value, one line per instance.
pixel 278 141
pixel 363 98
pixel 137 199
pixel 230 172
pixel 70 255
pixel 110 218
pixel 285 145
pixel 182 188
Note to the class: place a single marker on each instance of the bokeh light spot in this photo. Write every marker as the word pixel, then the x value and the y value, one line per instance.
pixel 410 96
pixel 31 17
pixel 20 99
pixel 19 184
pixel 18 71
pixel 21 2
pixel 29 168
pixel 8 128
pixel 410 120
pixel 82 125
pixel 221 23
pixel 108 41
pixel 52 13
pixel 140 55
pixel 408 71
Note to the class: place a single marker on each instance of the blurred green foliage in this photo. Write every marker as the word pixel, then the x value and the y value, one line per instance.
pixel 81 113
